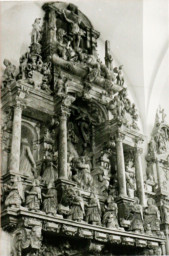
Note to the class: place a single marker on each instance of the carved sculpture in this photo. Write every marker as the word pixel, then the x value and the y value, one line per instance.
pixel 93 214
pixel 111 213
pixel 35 35
pixel 152 215
pixel 165 212
pixel 15 195
pixel 33 197
pixel 77 209
pixel 137 217
pixel 86 178
pixel 160 139
pixel 119 76
pixel 9 72
pixel 50 200
pixel 49 172
pixel 27 163
pixel 82 174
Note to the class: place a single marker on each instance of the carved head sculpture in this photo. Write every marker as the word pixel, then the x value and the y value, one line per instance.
pixel 150 202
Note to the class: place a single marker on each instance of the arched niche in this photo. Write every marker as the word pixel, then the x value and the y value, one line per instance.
pixel 29 130
pixel 84 121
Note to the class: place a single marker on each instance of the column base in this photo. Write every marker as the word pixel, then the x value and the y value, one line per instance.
pixel 62 181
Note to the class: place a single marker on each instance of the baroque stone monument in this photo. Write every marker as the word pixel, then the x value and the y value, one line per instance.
pixel 72 177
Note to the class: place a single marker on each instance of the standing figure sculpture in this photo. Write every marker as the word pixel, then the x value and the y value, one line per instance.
pixel 33 197
pixel 50 200
pixel 152 215
pixel 111 212
pixel 137 217
pixel 86 178
pixel 50 172
pixel 119 76
pixel 35 35
pixel 77 209
pixel 27 162
pixel 16 194
pixel 9 72
pixel 93 215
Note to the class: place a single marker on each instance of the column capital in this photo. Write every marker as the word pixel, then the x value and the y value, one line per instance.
pixel 68 100
pixel 138 150
pixel 119 137
pixel 63 106
pixel 20 104
pixel 64 112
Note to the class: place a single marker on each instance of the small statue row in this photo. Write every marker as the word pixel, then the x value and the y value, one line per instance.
pixel 145 220
pixel 34 200
pixel 92 212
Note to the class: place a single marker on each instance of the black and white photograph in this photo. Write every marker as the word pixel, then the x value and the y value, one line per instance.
pixel 84 128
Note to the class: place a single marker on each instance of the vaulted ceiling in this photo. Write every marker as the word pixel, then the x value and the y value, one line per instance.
pixel 138 31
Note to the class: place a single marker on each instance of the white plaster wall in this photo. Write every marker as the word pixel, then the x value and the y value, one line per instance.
pixel 5 243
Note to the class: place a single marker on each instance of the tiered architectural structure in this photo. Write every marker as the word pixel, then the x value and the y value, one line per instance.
pixel 72 178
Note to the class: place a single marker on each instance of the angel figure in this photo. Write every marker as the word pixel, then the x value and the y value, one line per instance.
pixel 93 215
pixel 77 209
pixel 36 31
pixel 16 193
pixel 50 200
pixel 27 163
pixel 33 198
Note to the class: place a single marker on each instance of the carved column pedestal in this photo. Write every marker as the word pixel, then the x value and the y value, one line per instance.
pixel 124 210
